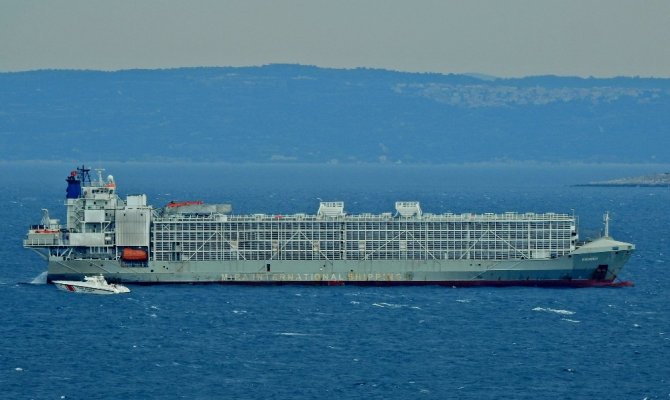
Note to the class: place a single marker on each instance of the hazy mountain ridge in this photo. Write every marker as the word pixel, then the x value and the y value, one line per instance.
pixel 289 113
pixel 653 180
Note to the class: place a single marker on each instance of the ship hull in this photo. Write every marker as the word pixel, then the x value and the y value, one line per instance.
pixel 574 270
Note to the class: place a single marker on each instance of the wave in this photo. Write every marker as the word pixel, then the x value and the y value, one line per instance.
pixel 570 320
pixel 553 310
pixel 291 334
pixel 388 305
pixel 391 305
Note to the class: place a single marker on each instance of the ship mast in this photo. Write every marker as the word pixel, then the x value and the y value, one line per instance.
pixel 85 176
pixel 606 221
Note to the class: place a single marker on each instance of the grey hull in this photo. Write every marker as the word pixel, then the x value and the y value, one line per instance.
pixel 577 269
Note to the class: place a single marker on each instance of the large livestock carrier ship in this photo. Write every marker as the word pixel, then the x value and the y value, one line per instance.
pixel 127 240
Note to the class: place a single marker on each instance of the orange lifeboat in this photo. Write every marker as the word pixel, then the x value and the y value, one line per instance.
pixel 46 231
pixel 174 204
pixel 129 254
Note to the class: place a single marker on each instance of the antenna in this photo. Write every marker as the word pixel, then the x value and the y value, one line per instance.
pixel 606 220
pixel 85 176
pixel 100 171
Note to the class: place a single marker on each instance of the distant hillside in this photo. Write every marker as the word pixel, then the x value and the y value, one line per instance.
pixel 291 113
pixel 655 180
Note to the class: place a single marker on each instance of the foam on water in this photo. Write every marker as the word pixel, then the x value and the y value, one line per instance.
pixel 40 279
pixel 553 310
pixel 291 334
pixel 570 320
pixel 389 305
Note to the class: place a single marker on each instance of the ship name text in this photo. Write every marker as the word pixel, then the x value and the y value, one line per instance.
pixel 307 277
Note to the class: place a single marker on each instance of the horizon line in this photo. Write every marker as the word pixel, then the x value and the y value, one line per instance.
pixel 475 75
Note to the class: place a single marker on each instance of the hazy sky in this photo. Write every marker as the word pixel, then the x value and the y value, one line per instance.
pixel 496 37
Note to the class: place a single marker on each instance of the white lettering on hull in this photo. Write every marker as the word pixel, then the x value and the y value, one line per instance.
pixel 264 277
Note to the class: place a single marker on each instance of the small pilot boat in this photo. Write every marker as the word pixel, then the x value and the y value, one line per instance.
pixel 95 284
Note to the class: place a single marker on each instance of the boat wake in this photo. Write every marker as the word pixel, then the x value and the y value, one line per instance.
pixel 40 279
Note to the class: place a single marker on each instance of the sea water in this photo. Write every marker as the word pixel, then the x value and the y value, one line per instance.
pixel 300 342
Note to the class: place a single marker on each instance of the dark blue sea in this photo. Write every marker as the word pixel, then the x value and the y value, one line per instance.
pixel 297 342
